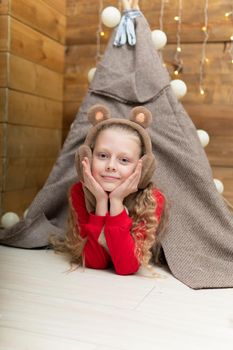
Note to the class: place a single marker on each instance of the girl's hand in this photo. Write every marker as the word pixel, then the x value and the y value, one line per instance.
pixel 91 183
pixel 130 185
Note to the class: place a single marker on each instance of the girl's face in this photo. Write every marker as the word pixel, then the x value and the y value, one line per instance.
pixel 115 156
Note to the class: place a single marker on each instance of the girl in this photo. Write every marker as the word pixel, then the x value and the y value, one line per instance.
pixel 115 210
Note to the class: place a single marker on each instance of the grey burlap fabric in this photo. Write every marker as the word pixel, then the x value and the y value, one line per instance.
pixel 199 242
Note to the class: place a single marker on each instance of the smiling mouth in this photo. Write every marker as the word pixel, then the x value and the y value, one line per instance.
pixel 110 178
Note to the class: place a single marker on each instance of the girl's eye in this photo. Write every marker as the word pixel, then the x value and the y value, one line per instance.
pixel 102 155
pixel 124 160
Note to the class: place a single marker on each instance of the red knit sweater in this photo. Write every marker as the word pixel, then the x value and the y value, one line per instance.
pixel 120 243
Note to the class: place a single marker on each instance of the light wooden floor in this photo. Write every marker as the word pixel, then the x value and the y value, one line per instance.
pixel 43 307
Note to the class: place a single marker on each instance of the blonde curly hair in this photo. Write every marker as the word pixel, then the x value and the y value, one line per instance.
pixel 144 224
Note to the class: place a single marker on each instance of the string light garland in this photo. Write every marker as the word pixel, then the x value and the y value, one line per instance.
pixel 161 15
pixel 99 33
pixel 204 59
pixel 159 38
pixel 230 13
pixel 178 86
pixel 177 56
pixel 110 17
pixel 230 49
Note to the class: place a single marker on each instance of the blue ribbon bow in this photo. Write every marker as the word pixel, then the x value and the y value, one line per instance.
pixel 126 31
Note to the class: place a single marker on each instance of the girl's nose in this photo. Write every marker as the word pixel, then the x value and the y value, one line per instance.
pixel 111 166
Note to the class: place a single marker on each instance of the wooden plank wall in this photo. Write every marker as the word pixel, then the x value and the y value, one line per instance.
pixel 32 47
pixel 212 112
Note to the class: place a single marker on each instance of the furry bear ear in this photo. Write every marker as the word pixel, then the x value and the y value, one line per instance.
pixel 97 114
pixel 141 116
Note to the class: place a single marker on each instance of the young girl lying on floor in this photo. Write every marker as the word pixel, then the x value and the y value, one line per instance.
pixel 115 209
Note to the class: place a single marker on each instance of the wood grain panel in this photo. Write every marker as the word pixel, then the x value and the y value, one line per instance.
pixel 31 172
pixel 65 134
pixel 4 7
pixel 220 150
pixel 2 139
pixel 38 48
pixel 18 201
pixel 192 19
pixel 216 119
pixel 39 78
pixel 217 54
pixel 30 110
pixel 74 90
pixel 218 89
pixel 25 141
pixel 41 16
pixel 4 69
pixel 3 105
pixel 86 14
pixel 4 40
pixel 70 111
pixel 1 177
pixel 59 5
pixel 78 56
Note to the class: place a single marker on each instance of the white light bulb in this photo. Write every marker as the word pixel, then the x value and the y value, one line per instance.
pixel 179 88
pixel 204 137
pixel 9 219
pixel 159 39
pixel 91 74
pixel 111 16
pixel 219 185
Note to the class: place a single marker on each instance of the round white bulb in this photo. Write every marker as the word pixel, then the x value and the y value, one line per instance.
pixel 219 185
pixel 111 16
pixel 9 219
pixel 91 74
pixel 159 39
pixel 179 88
pixel 204 137
pixel 25 213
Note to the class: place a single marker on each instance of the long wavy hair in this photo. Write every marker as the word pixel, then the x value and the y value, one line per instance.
pixel 146 230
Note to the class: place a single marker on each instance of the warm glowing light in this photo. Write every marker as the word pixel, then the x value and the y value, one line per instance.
pixel 178 49
pixel 176 18
pixel 231 37
pixel 202 91
pixel 102 33
pixel 232 61
pixel 227 14
pixel 176 72
pixel 207 60
pixel 164 65
pixel 204 29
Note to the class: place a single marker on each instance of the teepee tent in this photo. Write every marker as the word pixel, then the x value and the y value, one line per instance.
pixel 198 244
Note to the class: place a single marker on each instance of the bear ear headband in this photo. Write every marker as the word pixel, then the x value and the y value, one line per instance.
pixel 99 116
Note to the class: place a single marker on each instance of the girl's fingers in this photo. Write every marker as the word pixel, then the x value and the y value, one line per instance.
pixel 86 165
pixel 137 172
pixel 134 179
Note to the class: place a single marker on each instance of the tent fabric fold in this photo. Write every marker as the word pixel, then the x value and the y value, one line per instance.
pixel 198 244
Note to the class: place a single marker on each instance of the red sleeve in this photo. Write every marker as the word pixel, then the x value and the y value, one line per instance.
pixel 120 243
pixel 160 199
pixel 90 225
